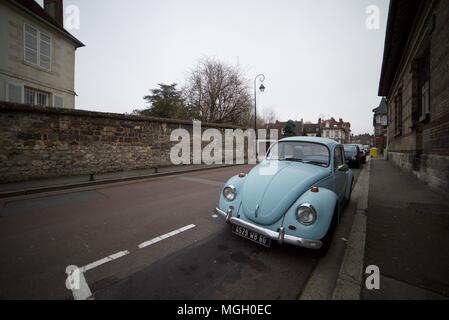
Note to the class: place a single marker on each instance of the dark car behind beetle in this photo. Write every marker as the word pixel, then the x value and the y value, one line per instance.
pixel 353 155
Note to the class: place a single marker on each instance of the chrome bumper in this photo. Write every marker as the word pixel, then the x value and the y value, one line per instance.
pixel 280 236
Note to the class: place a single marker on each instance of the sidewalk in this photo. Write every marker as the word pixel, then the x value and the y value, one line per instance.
pixel 45 185
pixel 407 236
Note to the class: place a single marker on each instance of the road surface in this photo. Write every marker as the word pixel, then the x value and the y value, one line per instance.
pixel 197 256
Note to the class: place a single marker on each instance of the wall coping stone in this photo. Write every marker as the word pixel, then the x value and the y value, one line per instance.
pixel 24 108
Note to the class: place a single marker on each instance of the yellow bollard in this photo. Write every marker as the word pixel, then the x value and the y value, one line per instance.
pixel 373 152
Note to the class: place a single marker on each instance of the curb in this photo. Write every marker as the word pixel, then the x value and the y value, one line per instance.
pixel 340 269
pixel 350 277
pixel 23 192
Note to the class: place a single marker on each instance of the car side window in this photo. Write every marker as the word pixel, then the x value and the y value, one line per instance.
pixel 338 157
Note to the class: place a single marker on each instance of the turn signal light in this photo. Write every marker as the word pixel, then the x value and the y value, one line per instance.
pixel 315 189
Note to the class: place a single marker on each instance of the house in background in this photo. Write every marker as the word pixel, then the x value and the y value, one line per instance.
pixel 280 126
pixel 339 131
pixel 311 129
pixel 415 82
pixel 380 123
pixel 37 56
pixel 364 139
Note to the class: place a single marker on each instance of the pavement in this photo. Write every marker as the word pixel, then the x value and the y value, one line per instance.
pixel 407 236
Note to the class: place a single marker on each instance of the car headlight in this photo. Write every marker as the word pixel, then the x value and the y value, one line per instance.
pixel 229 193
pixel 306 214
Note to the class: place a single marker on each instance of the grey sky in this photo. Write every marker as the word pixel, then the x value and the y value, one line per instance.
pixel 318 56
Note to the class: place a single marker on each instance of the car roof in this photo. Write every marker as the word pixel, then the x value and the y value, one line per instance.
pixel 325 141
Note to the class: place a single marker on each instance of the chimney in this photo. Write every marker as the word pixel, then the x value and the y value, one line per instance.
pixel 55 9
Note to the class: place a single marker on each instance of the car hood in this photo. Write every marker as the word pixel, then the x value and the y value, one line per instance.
pixel 273 186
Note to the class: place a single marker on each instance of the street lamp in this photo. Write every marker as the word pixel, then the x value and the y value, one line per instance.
pixel 262 89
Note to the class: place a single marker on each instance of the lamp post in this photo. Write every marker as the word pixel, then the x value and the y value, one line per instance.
pixel 262 89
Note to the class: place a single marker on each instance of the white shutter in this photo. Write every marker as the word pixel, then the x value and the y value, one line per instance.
pixel 44 51
pixel 58 101
pixel 15 93
pixel 31 44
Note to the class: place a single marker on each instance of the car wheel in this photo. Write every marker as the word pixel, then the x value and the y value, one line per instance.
pixel 327 240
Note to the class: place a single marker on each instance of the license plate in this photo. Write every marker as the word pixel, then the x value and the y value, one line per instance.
pixel 251 235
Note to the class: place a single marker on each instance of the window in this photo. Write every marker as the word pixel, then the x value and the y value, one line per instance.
pixel 384 121
pixel 298 151
pixel 37 47
pixel 14 93
pixel 424 87
pixel 36 97
pixel 398 113
pixel 338 158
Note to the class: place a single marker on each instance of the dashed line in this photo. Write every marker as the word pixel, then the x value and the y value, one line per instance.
pixel 165 236
pixel 75 276
pixel 97 263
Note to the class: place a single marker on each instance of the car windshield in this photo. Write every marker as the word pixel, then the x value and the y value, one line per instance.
pixel 298 151
pixel 352 149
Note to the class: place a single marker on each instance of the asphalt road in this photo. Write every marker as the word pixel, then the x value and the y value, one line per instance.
pixel 41 235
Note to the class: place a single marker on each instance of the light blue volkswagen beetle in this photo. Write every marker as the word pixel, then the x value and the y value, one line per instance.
pixel 293 196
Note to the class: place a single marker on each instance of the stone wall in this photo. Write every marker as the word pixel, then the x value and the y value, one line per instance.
pixel 423 145
pixel 38 142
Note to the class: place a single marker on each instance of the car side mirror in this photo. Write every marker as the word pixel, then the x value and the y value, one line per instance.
pixel 343 168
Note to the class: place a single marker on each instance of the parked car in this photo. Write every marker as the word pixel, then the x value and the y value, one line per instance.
pixel 363 153
pixel 294 196
pixel 353 155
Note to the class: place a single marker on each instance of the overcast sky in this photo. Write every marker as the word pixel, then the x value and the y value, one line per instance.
pixel 318 56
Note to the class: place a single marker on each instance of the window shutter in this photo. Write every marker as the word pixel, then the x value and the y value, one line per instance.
pixel 15 93
pixel 31 44
pixel 58 102
pixel 45 51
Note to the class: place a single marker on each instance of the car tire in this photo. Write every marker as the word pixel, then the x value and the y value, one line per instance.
pixel 327 240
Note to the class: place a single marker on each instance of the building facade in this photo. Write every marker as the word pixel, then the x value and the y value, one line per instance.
pixel 339 131
pixel 37 56
pixel 415 82
pixel 364 139
pixel 380 123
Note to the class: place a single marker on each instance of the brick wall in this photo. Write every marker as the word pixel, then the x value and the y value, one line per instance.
pixel 423 146
pixel 40 142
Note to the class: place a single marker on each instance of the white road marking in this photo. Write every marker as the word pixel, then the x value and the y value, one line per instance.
pixel 83 293
pixel 97 263
pixel 165 236
pixel 75 276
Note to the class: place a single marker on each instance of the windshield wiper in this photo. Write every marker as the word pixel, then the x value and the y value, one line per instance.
pixel 291 159
pixel 319 163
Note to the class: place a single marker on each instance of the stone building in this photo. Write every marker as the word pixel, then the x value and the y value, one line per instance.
pixel 312 130
pixel 339 131
pixel 280 126
pixel 380 123
pixel 364 139
pixel 37 56
pixel 415 82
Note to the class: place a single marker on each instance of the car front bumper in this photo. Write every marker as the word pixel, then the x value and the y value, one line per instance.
pixel 280 236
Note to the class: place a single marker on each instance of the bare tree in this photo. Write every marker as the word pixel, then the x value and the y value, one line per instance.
pixel 269 116
pixel 217 93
